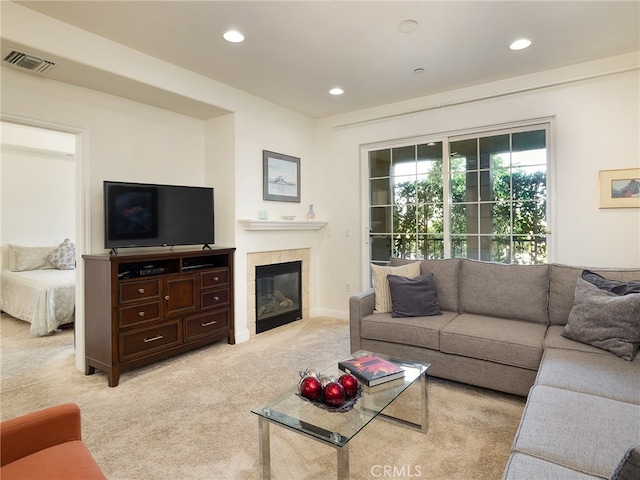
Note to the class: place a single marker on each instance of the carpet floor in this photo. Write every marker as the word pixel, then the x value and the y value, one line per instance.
pixel 189 417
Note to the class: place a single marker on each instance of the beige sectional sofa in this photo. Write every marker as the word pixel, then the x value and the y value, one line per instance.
pixel 501 328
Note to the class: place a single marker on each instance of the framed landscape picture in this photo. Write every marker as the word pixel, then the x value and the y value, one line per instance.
pixel 620 188
pixel 281 177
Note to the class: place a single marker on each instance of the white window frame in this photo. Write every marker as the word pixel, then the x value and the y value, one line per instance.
pixel 546 123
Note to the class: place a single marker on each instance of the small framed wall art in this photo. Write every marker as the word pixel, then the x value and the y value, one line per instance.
pixel 281 177
pixel 620 188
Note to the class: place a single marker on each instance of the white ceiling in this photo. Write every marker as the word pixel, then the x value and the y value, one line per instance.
pixel 295 51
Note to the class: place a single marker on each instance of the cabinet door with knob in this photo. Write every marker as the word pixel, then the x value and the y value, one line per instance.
pixel 179 295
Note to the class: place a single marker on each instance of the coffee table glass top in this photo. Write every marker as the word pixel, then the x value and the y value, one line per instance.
pixel 337 428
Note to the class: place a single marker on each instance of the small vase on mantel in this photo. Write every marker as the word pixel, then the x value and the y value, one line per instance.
pixel 311 214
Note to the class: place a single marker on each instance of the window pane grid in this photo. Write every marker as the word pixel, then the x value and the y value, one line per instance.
pixel 495 192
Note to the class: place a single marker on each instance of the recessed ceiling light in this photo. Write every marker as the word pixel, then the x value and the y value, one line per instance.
pixel 336 91
pixel 418 71
pixel 408 26
pixel 233 36
pixel 520 44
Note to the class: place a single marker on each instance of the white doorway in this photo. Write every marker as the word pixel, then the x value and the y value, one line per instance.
pixel 42 194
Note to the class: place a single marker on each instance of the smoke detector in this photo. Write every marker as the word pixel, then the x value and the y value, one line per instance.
pixel 28 62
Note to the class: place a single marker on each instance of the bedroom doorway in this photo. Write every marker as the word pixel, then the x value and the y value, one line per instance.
pixel 42 198
pixel 38 184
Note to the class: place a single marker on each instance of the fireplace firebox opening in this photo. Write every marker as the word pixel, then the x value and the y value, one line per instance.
pixel 278 295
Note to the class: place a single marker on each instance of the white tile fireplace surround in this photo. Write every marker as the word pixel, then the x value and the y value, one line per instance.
pixel 270 258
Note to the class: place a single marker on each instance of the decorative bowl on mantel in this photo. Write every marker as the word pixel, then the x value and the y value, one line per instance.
pixel 288 217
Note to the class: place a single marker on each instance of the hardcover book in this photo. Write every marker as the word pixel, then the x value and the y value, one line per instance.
pixel 371 369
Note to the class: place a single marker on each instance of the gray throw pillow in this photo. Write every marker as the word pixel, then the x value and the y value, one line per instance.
pixel 613 286
pixel 605 320
pixel 629 466
pixel 413 297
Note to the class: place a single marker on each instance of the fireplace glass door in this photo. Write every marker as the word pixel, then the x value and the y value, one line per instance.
pixel 278 295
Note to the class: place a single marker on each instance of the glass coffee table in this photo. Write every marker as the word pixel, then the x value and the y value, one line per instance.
pixel 336 428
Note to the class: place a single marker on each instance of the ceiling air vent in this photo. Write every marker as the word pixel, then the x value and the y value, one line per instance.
pixel 29 62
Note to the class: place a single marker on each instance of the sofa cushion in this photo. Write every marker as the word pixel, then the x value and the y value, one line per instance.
pixel 578 431
pixel 629 466
pixel 605 320
pixel 562 285
pixel 518 292
pixel 445 275
pixel 602 375
pixel 413 297
pixel 511 342
pixel 68 461
pixel 418 331
pixel 381 284
pixel 526 467
pixel 555 339
pixel 613 286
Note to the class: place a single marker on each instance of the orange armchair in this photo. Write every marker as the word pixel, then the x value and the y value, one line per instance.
pixel 46 444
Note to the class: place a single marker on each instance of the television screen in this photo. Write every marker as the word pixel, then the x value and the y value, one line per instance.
pixel 146 215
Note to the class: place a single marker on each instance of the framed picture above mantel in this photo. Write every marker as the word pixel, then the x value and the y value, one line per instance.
pixel 281 177
pixel 620 188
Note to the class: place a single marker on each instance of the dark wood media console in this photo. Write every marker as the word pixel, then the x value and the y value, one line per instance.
pixel 141 308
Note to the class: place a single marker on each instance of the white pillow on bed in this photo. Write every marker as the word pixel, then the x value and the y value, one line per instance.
pixel 64 256
pixel 22 258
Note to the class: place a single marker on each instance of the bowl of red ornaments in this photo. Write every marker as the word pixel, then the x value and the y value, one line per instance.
pixel 331 393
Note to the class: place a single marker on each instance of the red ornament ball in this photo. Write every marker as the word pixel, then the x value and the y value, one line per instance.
pixel 350 384
pixel 310 387
pixel 334 394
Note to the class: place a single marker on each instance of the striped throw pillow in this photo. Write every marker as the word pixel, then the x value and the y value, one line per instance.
pixel 381 284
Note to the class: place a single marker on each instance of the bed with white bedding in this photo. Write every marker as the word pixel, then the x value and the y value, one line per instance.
pixel 39 285
pixel 44 298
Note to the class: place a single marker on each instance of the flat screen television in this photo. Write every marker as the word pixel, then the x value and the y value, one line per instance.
pixel 150 215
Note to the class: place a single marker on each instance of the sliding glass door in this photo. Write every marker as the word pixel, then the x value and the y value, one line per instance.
pixel 480 196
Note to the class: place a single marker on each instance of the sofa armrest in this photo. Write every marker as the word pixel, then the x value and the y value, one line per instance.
pixel 360 305
pixel 30 433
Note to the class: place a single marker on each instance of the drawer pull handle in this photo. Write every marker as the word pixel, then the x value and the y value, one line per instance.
pixel 141 314
pixel 216 298
pixel 166 297
pixel 215 279
pixel 141 291
pixel 153 339
pixel 213 322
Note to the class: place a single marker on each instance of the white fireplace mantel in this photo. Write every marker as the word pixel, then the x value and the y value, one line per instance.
pixel 282 224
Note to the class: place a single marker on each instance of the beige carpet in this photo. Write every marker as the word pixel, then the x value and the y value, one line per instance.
pixel 189 417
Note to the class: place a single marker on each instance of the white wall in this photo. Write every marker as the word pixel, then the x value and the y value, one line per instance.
pixel 29 138
pixel 596 127
pixel 220 174
pixel 37 207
